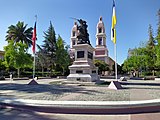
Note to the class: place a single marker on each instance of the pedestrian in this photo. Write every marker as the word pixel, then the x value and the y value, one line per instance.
pixel 11 76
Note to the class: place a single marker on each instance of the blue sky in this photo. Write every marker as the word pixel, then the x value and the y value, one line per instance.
pixel 133 19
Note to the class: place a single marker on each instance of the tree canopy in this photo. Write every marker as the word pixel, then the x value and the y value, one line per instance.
pixel 54 52
pixel 63 59
pixel 16 55
pixel 49 47
pixel 148 56
pixel 20 33
pixel 102 66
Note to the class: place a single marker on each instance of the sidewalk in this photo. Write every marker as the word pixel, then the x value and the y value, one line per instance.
pixel 12 114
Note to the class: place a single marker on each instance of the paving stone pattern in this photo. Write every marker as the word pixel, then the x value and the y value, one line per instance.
pixel 19 89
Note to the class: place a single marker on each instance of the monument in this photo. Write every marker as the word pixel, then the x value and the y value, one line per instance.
pixel 83 68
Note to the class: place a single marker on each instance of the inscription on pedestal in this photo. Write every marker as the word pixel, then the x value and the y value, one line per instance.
pixel 79 71
pixel 90 55
pixel 80 54
pixel 83 68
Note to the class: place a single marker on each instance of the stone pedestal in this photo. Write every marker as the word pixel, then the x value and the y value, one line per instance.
pixel 83 68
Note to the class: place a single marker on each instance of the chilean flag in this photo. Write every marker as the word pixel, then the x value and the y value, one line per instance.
pixel 34 38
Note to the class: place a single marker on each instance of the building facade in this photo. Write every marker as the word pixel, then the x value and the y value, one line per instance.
pixel 73 40
pixel 101 51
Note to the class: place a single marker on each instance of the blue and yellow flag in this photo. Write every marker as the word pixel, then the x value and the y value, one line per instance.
pixel 114 21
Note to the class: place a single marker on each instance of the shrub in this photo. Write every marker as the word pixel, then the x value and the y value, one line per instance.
pixel 2 78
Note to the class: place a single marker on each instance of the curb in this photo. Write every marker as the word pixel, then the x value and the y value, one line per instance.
pixel 84 107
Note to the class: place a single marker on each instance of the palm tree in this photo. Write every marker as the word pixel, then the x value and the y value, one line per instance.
pixel 20 33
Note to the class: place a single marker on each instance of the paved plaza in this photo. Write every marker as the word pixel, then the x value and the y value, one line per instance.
pixel 134 90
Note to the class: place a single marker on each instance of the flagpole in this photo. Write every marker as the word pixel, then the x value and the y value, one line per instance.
pixel 34 62
pixel 115 54
pixel 34 65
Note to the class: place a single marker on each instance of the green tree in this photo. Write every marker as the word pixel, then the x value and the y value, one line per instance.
pixel 41 60
pixel 2 66
pixel 142 57
pixel 16 55
pixel 148 56
pixel 151 42
pixel 119 68
pixel 150 48
pixel 158 41
pixel 126 66
pixel 49 47
pixel 137 61
pixel 20 33
pixel 63 59
pixel 102 66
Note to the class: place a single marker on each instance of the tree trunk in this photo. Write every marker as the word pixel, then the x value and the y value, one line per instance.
pixel 42 71
pixel 138 73
pixel 153 72
pixel 18 71
pixel 63 71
